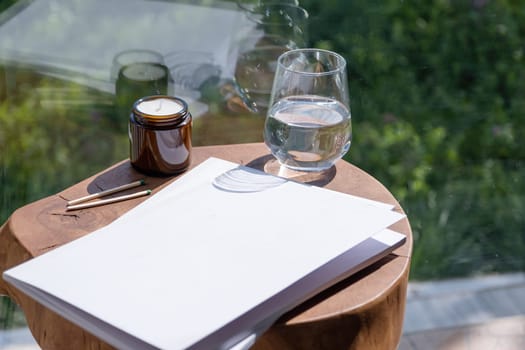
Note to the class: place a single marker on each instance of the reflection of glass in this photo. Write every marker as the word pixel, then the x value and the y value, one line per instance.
pixel 282 20
pixel 250 4
pixel 278 28
pixel 255 69
pixel 308 125
pixel 138 73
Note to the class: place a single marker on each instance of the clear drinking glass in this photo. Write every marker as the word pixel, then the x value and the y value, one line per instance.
pixel 308 124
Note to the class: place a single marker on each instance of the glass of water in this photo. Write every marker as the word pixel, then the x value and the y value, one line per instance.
pixel 308 124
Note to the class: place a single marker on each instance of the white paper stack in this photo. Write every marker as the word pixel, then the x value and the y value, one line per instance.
pixel 210 260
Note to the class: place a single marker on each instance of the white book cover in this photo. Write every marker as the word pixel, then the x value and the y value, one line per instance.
pixel 210 260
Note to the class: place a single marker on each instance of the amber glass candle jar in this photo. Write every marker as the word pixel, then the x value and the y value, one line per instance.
pixel 160 135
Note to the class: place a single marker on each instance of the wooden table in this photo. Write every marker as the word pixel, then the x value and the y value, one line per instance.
pixel 365 311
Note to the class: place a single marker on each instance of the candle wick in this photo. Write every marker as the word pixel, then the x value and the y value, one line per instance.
pixel 160 106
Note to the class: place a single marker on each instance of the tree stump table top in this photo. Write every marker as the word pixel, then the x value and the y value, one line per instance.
pixel 364 311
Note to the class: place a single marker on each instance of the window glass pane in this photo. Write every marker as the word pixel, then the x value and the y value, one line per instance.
pixel 437 97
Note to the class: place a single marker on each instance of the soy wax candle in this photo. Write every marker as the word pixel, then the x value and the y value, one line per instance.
pixel 160 135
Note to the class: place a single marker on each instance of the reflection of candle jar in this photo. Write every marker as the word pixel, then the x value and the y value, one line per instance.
pixel 139 79
pixel 160 135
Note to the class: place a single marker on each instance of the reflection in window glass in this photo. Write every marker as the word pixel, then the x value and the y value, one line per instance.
pixel 437 96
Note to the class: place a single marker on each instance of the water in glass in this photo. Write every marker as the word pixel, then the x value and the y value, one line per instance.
pixel 308 133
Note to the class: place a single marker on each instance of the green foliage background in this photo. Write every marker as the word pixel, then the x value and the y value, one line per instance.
pixel 438 102
pixel 46 144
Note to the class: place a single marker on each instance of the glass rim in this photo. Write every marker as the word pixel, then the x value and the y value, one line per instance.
pixel 341 66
